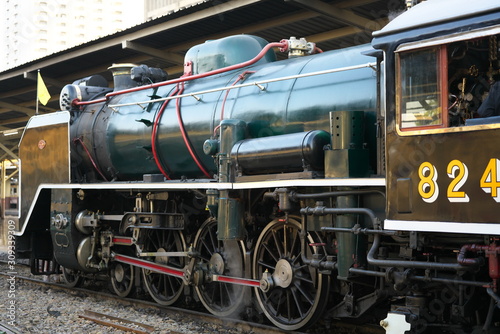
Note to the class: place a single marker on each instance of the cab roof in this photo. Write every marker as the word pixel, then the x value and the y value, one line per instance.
pixel 432 12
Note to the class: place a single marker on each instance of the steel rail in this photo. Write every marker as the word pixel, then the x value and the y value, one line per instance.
pixel 7 329
pixel 115 322
pixel 185 314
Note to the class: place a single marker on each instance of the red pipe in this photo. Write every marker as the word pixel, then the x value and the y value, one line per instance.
pixel 75 140
pixel 154 132
pixel 282 45
pixel 241 77
pixel 492 252
pixel 461 259
pixel 184 134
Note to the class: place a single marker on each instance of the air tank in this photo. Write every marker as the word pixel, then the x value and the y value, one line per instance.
pixel 291 152
pixel 120 136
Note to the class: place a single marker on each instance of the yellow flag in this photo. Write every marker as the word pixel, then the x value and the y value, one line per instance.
pixel 42 91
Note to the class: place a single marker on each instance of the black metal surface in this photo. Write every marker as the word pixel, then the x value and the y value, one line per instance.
pixel 291 152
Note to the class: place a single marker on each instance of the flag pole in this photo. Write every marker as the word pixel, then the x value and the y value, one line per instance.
pixel 37 93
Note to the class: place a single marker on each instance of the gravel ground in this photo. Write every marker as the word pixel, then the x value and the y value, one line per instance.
pixel 43 310
pixel 36 309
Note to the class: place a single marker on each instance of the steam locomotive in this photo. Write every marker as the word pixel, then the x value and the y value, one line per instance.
pixel 353 184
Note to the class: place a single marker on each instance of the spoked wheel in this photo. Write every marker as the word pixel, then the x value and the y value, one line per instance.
pixel 220 257
pixel 164 289
pixel 72 277
pixel 122 279
pixel 299 293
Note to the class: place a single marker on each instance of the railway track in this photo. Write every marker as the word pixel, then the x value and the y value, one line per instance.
pixel 184 314
pixel 115 322
pixel 7 329
pixel 187 315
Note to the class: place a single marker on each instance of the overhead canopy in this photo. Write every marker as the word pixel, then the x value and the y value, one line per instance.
pixel 162 42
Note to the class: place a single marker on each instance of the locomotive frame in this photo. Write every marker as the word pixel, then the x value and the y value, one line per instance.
pixel 305 197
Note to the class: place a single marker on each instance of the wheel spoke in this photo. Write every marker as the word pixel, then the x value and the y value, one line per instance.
pixel 229 293
pixel 212 297
pixel 277 243
pixel 221 294
pixel 167 243
pixel 153 243
pixel 304 293
pixel 286 252
pixel 213 241
pixel 289 305
pixel 165 281
pixel 292 247
pixel 296 259
pixel 270 252
pixel 304 279
pixel 210 251
pixel 270 266
pixel 302 267
pixel 298 304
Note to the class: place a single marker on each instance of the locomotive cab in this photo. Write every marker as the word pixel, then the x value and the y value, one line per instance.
pixel 442 158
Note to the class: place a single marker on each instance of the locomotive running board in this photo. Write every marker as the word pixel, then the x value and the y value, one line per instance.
pixel 171 271
pixel 182 185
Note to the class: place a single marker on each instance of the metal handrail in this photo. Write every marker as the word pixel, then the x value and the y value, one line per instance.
pixel 255 83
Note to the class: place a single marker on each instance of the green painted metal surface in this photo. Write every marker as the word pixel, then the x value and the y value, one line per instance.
pixel 283 107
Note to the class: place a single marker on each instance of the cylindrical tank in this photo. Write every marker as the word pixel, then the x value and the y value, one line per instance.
pixel 121 140
pixel 286 153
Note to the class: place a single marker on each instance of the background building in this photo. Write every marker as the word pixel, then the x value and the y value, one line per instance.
pixel 33 29
pixel 157 8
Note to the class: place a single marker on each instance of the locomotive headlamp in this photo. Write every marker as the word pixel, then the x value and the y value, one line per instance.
pixel 79 92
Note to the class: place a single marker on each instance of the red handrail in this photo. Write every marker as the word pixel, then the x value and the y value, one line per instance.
pixel 283 45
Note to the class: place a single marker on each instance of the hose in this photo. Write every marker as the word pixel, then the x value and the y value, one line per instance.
pixel 154 135
pixel 188 144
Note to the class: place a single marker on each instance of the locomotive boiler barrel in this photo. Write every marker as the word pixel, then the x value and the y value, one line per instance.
pixel 286 153
pixel 127 147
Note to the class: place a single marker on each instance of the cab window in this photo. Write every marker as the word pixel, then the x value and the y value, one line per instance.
pixel 421 95
pixel 444 85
